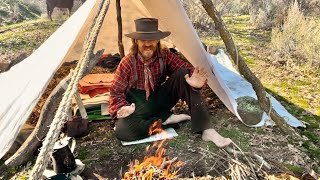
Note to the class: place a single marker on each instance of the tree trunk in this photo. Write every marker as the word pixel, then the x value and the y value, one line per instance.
pixel 119 20
pixel 25 152
pixel 244 69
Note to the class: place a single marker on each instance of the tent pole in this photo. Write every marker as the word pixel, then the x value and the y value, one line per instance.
pixel 119 19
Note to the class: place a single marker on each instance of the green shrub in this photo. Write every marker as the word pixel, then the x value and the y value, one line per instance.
pixel 261 18
pixel 15 11
pixel 266 14
pixel 199 18
pixel 34 8
pixel 235 7
pixel 311 7
pixel 297 41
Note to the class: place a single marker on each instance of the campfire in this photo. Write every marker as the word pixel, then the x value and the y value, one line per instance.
pixel 156 165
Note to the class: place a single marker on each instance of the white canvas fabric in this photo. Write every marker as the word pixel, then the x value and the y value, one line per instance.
pixel 23 84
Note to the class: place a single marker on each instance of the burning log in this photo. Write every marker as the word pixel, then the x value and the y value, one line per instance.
pixel 156 166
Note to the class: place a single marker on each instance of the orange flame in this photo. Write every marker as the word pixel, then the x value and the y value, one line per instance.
pixel 154 166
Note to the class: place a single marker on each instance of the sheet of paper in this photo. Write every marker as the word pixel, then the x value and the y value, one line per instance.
pixel 104 109
pixel 166 134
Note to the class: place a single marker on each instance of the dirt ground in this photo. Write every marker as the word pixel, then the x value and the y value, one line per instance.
pixel 106 158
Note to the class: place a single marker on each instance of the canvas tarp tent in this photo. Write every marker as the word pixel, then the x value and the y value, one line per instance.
pixel 24 83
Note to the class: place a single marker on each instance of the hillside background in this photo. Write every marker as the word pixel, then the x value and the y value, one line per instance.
pixel 16 11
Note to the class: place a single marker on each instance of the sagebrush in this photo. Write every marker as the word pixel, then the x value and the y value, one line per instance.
pixel 297 41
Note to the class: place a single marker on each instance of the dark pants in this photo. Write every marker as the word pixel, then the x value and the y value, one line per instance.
pixel 136 126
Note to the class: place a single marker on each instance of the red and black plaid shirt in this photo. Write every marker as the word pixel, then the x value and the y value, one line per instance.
pixel 124 77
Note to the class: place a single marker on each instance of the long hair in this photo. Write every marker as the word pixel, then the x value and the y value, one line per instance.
pixel 134 47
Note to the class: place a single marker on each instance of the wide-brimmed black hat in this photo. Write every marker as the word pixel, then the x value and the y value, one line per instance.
pixel 147 29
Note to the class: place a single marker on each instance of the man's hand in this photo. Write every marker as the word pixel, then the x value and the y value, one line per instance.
pixel 125 111
pixel 197 79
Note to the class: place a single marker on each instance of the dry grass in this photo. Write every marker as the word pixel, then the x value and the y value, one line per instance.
pixel 297 41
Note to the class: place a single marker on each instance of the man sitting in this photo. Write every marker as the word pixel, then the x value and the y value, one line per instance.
pixel 141 93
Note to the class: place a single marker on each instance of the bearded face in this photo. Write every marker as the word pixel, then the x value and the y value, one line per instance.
pixel 147 48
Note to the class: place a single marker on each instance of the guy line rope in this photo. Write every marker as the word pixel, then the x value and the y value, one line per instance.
pixel 65 104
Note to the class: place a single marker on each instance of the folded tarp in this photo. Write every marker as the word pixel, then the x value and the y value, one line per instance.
pixel 94 84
